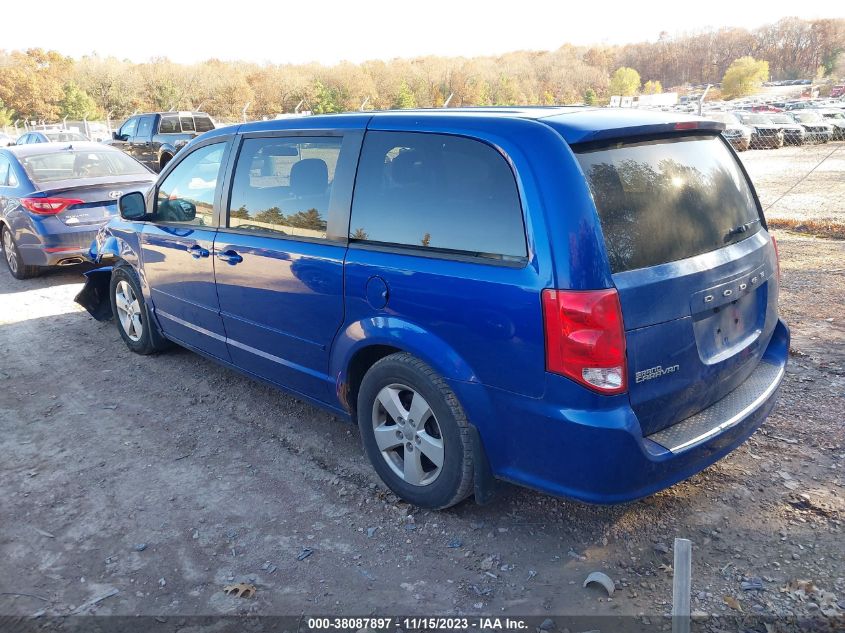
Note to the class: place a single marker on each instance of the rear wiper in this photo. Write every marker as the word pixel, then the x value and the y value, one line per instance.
pixel 739 230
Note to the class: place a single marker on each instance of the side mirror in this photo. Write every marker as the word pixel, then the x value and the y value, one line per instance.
pixel 132 206
pixel 115 136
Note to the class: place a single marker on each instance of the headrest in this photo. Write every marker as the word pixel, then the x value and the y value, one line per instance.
pixel 309 177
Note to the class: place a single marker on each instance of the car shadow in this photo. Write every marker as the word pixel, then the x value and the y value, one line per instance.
pixel 50 277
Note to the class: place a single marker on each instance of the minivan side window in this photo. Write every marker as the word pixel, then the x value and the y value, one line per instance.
pixel 437 191
pixel 187 194
pixel 283 185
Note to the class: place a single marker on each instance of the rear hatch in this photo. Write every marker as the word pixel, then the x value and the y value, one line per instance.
pixel 694 267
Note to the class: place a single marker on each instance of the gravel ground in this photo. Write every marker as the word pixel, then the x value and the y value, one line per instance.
pixel 165 478
pixel 804 182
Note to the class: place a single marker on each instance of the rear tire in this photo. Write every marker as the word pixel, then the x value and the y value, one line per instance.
pixel 131 314
pixel 423 452
pixel 13 259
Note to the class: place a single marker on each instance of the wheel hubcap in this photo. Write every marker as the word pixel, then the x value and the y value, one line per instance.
pixel 9 250
pixel 128 311
pixel 407 434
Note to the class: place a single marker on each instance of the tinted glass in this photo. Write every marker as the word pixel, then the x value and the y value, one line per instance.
pixel 68 164
pixel 65 137
pixel 169 124
pixel 727 119
pixel 145 127
pixel 187 123
pixel 284 185
pixel 187 194
pixel 666 200
pixel 128 129
pixel 203 124
pixel 437 191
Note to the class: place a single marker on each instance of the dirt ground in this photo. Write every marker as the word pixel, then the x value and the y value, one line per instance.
pixel 165 478
pixel 804 182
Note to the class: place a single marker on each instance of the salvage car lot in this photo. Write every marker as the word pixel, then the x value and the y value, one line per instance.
pixel 165 478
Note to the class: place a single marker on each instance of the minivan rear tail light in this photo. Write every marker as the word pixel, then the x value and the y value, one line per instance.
pixel 777 254
pixel 585 338
pixel 48 206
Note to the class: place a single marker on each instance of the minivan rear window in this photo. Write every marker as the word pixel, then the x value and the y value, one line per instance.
pixel 664 200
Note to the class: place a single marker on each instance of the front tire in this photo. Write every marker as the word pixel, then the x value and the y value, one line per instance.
pixel 415 432
pixel 130 311
pixel 13 259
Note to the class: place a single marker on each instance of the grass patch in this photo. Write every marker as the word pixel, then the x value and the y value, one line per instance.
pixel 819 228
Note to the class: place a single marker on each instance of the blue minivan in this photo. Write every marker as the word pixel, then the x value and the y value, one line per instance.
pixel 578 300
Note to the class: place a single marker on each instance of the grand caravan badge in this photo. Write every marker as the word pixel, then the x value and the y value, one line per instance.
pixel 655 372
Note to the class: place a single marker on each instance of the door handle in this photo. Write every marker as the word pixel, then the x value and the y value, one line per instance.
pixel 197 251
pixel 230 257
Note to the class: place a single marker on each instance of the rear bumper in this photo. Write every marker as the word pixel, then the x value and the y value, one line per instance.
pixel 597 453
pixel 54 256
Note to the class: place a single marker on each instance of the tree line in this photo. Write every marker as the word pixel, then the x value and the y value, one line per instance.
pixel 45 85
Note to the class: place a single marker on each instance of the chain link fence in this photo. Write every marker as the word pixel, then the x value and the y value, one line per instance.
pixel 95 130
pixel 801 187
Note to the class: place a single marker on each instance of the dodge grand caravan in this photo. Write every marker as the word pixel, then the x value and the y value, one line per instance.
pixel 578 300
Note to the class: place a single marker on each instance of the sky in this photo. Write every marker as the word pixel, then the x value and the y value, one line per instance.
pixel 328 31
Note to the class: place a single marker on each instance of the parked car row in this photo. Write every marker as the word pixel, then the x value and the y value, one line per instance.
pixel 770 130
pixel 151 138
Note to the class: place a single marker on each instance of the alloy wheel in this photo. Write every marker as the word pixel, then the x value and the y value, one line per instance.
pixel 407 434
pixel 10 251
pixel 128 311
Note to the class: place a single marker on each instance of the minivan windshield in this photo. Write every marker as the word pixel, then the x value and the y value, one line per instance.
pixel 664 200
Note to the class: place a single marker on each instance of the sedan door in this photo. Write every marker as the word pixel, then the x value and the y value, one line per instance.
pixel 176 246
pixel 279 259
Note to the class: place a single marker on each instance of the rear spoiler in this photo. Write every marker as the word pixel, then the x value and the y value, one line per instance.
pixel 633 133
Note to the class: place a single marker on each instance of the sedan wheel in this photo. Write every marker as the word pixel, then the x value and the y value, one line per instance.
pixel 10 251
pixel 408 435
pixel 128 311
pixel 11 254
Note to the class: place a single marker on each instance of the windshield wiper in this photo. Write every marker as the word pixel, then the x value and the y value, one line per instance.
pixel 739 230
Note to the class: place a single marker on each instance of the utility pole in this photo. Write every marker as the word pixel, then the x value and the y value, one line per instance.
pixel 701 101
